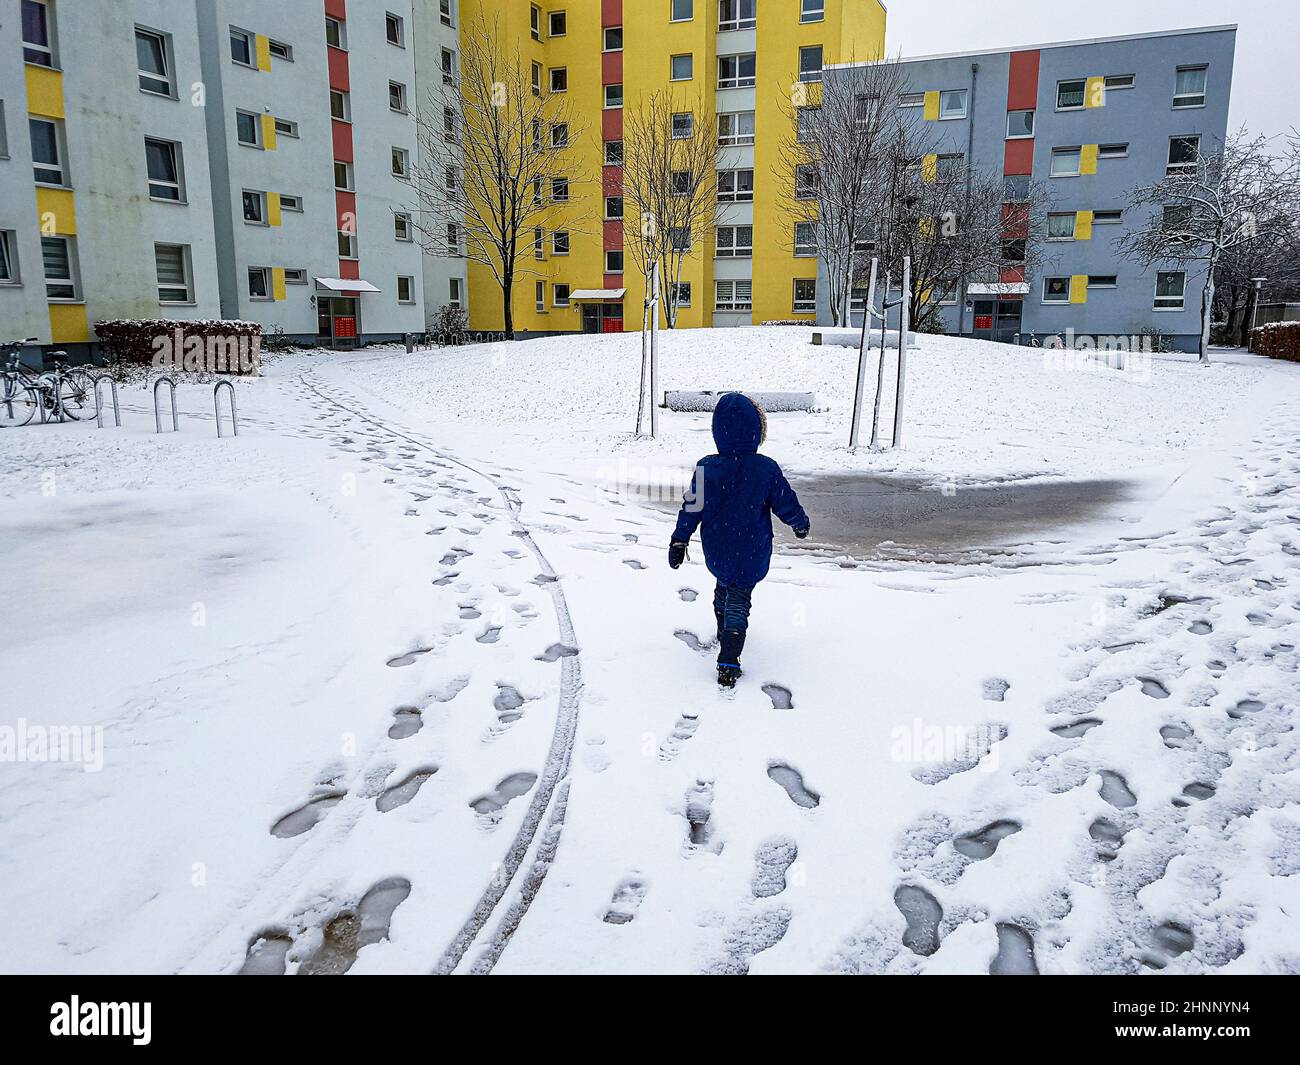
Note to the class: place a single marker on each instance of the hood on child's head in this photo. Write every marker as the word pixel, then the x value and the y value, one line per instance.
pixel 739 424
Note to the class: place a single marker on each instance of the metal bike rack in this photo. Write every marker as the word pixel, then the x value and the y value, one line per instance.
pixel 99 401
pixel 157 417
pixel 216 406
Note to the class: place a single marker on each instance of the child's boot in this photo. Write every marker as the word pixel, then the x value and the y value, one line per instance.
pixel 732 643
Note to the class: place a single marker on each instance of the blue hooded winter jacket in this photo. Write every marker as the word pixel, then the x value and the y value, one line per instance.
pixel 734 495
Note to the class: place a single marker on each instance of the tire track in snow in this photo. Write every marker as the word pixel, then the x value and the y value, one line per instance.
pixel 558 759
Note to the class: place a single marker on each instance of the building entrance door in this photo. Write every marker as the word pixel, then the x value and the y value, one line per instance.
pixel 338 321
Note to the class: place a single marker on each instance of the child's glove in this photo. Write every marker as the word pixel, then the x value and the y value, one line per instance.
pixel 802 534
pixel 676 553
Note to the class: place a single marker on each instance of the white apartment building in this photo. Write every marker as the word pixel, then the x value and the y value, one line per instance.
pixel 194 159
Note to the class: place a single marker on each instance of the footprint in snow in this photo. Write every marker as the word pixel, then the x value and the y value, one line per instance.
pixel 407 721
pixel 347 933
pixel 409 658
pixel 634 563
pixel 688 595
pixel 682 731
pixel 694 642
pixel 923 913
pixel 1153 688
pixel 701 835
pixel 490 805
pixel 782 698
pixel 1246 706
pixel 983 842
pixel 267 954
pixel 791 780
pixel 1075 729
pixel 1109 837
pixel 1115 790
pixel 748 936
pixel 995 689
pixel 489 635
pixel 306 816
pixel 1015 955
pixel 772 860
pixel 404 791
pixel 555 652
pixel 625 901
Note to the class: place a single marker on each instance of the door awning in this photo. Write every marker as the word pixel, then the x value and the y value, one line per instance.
pixel 343 284
pixel 599 295
pixel 999 288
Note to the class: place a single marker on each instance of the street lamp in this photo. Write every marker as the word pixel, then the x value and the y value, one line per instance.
pixel 1258 282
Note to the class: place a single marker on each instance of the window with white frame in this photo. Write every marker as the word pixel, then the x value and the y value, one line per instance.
pixel 405 288
pixel 242 47
pixel 58 255
pixel 259 282
pixel 163 164
pixel 737 71
pixel 347 244
pixel 453 239
pixel 560 295
pixel 1108 217
pixel 560 135
pixel 254 206
pixel 342 175
pixel 1189 86
pixel 613 153
pixel 395 29
pixel 812 10
pixel 557 24
pixel 448 67
pixel 681 183
pixel 1020 124
pixel 38 33
pixel 952 104
pixel 9 257
pixel 805 296
pixel 336 34
pixel 401 226
pixel 560 242
pixel 737 295
pixel 613 39
pixel 397 97
pixel 737 14
pixel 444 11
pixel 1112 151
pixel 280 50
pixel 1066 162
pixel 449 125
pixel 153 63
pixel 290 203
pixel 681 67
pixel 4 133
pixel 537 79
pixel 248 129
pixel 682 10
pixel 47 152
pixel 455 293
pixel 805 240
pixel 172 264
pixel 683 126
pixel 1170 290
pixel 614 208
pixel 805 182
pixel 539 296
pixel 911 99
pixel 1056 290
pixel 807 120
pixel 340 105
pixel 286 128
pixel 401 162
pixel 735 242
pixel 614 261
pixel 736 186
pixel 1184 152
pixel 539 243
pixel 680 293
pixel 559 190
pixel 810 63
pixel 1060 226
pixel 735 128
pixel 1120 81
pixel 1070 94
pixel 535 21
pixel 559 79
pixel 1103 281
pixel 679 238
pixel 613 96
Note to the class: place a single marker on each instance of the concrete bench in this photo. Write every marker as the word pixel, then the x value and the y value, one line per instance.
pixel 773 402
pixel 847 339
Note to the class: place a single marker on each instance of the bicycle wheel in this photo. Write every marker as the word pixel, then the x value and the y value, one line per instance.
pixel 18 403
pixel 75 399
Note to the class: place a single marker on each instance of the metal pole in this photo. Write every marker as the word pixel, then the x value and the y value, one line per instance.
pixel 880 372
pixel 99 402
pixel 654 357
pixel 645 359
pixel 904 320
pixel 216 406
pixel 863 347
pixel 157 416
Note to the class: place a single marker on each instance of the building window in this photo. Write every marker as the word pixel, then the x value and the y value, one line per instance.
pixel 162 160
pixel 401 226
pixel 1183 154
pixel 171 261
pixel 911 99
pixel 397 97
pixel 38 36
pixel 735 186
pixel 614 208
pixel 1107 218
pixel 1056 290
pixel 560 295
pixel 812 10
pixel 405 288
pixel 248 129
pixel 347 244
pixel 448 124
pixel 394 30
pixel 680 183
pixel 537 79
pixel 735 242
pixel 683 10
pixel 539 296
pixel 1060 226
pixel 805 182
pixel 280 50
pixel 613 39
pixel 613 95
pixel 558 24
pixel 539 244
pixel 286 128
pixel 1070 94
pixel 683 126
pixel 8 257
pixel 535 21
pixel 259 282
pixel 560 135
pixel 1112 151
pixel 1170 288
pixel 448 67
pixel 241 47
pixel 952 104
pixel 807 123
pixel 1020 124
pixel 733 295
pixel 47 152
pixel 453 239
pixel 444 11
pixel 560 190
pixel 1015 188
pixel 401 162
pixel 810 63
pixel 342 175
pixel 254 207
pixel 680 293
pixel 1189 87
pixel 455 296
pixel 290 203
pixel 151 59
pixel 58 255
pixel 1065 162
pixel 737 14
pixel 805 240
pixel 1103 280
pixel 1014 251
pixel 737 71
pixel 614 261
pixel 340 105
pixel 613 153
pixel 560 242
pixel 336 34
pixel 682 67
pixel 735 129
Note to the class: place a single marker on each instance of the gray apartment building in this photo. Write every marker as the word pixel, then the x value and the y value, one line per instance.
pixel 1091 119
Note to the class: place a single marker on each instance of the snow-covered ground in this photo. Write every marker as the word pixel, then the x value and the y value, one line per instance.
pixel 398 680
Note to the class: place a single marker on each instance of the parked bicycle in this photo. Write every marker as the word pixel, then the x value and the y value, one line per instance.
pixel 60 393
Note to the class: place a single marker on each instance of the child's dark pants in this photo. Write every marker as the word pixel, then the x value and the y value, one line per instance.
pixel 731 608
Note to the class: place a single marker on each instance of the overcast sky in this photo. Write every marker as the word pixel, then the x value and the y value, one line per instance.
pixel 1266 79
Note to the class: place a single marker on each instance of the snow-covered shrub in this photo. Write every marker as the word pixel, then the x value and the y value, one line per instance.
pixel 449 327
pixel 1277 340
pixel 133 347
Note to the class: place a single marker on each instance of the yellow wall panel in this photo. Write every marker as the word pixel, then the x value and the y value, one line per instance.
pixel 268 132
pixel 68 323
pixel 263 53
pixel 932 106
pixel 277 283
pixel 929 168
pixel 1083 225
pixel 56 211
pixel 1094 94
pixel 44 91
pixel 1079 288
pixel 1088 159
pixel 272 208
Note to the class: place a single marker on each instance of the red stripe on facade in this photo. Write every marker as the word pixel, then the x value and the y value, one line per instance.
pixel 611 12
pixel 1022 81
pixel 611 124
pixel 611 68
pixel 345 203
pixel 1019 157
pixel 337 9
pixel 337 60
pixel 342 134
pixel 613 236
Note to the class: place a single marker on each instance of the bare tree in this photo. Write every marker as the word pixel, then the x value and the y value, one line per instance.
pixel 670 186
pixel 838 161
pixel 1213 202
pixel 496 155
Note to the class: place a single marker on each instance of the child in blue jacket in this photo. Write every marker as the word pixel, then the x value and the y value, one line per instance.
pixel 734 495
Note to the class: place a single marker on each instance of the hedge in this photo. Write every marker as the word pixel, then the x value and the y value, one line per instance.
pixel 135 344
pixel 1278 340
